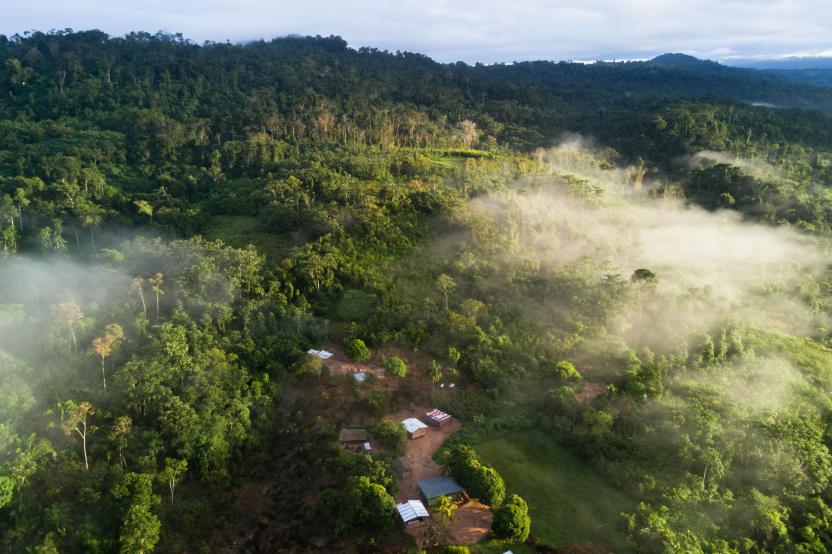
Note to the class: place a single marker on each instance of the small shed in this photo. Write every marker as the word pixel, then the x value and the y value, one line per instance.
pixel 437 418
pixel 431 489
pixel 353 439
pixel 400 466
pixel 412 513
pixel 415 428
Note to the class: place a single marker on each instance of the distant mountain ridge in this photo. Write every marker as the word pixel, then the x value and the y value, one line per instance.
pixel 673 74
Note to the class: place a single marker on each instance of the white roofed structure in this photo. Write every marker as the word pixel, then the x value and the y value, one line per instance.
pixel 322 354
pixel 413 424
pixel 414 427
pixel 412 510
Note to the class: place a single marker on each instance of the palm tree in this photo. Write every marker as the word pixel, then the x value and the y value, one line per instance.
pixel 156 284
pixel 435 374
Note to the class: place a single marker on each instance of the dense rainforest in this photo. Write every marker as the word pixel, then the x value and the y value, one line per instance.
pixel 623 269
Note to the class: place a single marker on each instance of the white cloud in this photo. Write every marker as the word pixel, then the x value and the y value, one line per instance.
pixel 488 30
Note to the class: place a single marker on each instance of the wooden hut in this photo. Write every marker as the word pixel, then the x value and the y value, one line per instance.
pixel 400 466
pixel 353 439
pixel 415 428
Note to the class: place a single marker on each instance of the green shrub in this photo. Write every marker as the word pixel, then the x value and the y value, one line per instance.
pixel 453 549
pixel 378 401
pixel 480 480
pixel 391 434
pixel 511 520
pixel 395 366
pixel 357 350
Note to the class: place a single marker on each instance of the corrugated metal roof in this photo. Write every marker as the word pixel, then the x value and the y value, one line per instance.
pixel 353 435
pixel 412 509
pixel 412 424
pixel 437 415
pixel 439 486
pixel 322 354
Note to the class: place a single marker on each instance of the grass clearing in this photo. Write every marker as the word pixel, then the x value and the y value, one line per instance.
pixel 568 501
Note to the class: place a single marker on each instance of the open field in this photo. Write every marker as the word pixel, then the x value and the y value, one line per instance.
pixel 569 503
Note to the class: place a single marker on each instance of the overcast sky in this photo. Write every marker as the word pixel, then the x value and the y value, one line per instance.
pixel 469 30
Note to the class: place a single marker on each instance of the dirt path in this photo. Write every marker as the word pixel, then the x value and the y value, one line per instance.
pixel 472 521
pixel 419 453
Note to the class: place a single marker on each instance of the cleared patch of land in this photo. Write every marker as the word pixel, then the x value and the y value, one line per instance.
pixel 569 503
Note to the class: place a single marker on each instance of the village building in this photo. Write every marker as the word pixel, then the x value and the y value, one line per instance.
pixel 431 489
pixel 322 354
pixel 353 439
pixel 400 466
pixel 437 418
pixel 415 428
pixel 412 513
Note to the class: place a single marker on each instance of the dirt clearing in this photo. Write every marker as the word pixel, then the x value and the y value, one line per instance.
pixel 472 522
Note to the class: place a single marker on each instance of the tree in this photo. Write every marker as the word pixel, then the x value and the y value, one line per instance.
pixel 453 354
pixel 140 526
pixel 145 208
pixel 173 472
pixel 103 346
pixel 156 283
pixel 121 429
pixel 445 284
pixel 310 365
pixel 564 370
pixel 480 480
pixel 75 419
pixel 69 314
pixel 444 511
pixel 511 520
pixel 365 504
pixel 469 132
pixel 389 433
pixel 6 490
pixel 435 375
pixel 395 366
pixel 27 458
pixel 136 286
pixel 643 280
pixel 357 350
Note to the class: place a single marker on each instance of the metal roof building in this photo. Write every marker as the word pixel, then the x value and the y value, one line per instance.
pixel 414 427
pixel 322 354
pixel 353 435
pixel 437 418
pixel 412 510
pixel 431 489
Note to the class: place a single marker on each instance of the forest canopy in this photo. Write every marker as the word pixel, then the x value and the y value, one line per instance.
pixel 629 260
